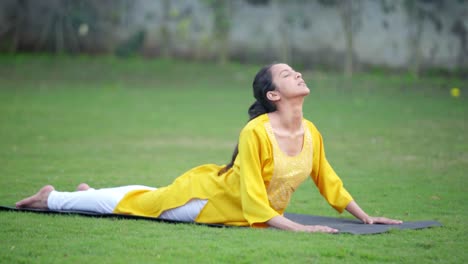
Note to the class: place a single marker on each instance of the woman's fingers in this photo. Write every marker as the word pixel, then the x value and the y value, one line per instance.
pixel 385 221
pixel 321 229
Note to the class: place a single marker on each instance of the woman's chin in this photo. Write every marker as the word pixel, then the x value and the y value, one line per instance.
pixel 306 92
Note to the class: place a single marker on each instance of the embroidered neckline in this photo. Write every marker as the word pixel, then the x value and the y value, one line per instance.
pixel 289 171
pixel 275 143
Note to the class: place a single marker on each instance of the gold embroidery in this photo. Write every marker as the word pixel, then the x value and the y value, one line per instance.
pixel 289 172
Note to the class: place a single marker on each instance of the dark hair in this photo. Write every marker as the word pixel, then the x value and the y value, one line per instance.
pixel 262 84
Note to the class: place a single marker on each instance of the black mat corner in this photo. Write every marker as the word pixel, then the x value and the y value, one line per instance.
pixel 345 225
pixel 354 226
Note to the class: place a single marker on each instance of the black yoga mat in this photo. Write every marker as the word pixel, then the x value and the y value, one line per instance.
pixel 344 225
pixel 355 226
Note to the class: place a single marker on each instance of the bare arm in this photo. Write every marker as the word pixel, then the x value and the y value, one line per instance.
pixel 282 222
pixel 354 209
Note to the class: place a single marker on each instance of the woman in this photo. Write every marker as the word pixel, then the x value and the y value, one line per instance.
pixel 278 149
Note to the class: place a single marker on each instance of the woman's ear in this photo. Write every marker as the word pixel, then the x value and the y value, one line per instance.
pixel 273 96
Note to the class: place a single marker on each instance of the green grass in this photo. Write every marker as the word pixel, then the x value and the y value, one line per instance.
pixel 399 144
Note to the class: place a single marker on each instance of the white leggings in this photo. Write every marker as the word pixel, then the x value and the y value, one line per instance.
pixel 105 200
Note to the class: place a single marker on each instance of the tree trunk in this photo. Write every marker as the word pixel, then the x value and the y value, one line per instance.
pixel 415 19
pixel 284 49
pixel 222 19
pixel 164 30
pixel 346 13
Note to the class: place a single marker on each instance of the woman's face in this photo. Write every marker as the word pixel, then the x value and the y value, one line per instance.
pixel 288 82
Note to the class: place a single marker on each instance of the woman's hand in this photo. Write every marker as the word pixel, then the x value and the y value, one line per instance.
pixel 355 210
pixel 282 222
pixel 381 220
pixel 319 229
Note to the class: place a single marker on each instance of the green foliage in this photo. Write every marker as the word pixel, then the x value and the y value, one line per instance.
pixel 183 27
pixel 222 25
pixel 132 46
pixel 398 143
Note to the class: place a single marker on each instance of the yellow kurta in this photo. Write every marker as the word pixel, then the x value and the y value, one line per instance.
pixel 258 186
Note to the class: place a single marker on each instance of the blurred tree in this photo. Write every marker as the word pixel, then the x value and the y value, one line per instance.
pixel 13 25
pixel 132 45
pixel 164 29
pixel 284 51
pixel 461 31
pixel 222 25
pixel 418 12
pixel 415 17
pixel 62 25
pixel 349 12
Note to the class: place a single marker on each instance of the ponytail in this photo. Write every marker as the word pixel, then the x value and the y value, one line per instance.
pixel 262 84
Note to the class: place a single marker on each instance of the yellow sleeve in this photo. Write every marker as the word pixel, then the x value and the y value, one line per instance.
pixel 255 204
pixel 325 178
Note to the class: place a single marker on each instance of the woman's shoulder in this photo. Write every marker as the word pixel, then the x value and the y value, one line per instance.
pixel 311 126
pixel 256 125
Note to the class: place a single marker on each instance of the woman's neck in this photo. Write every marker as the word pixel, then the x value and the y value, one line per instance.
pixel 289 118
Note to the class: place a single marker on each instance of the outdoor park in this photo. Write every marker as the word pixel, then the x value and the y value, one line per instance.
pixel 398 139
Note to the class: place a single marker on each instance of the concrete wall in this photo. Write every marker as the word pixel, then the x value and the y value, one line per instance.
pixel 389 33
pixel 399 34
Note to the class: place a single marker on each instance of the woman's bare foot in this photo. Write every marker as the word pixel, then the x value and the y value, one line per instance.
pixel 82 187
pixel 38 201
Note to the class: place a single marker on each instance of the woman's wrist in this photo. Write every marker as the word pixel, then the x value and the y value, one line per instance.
pixel 354 209
pixel 367 220
pixel 282 222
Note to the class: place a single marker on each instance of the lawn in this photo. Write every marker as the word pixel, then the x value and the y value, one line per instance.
pixel 399 144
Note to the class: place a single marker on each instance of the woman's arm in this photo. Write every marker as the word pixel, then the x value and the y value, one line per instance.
pixel 354 209
pixel 325 178
pixel 282 222
pixel 331 186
